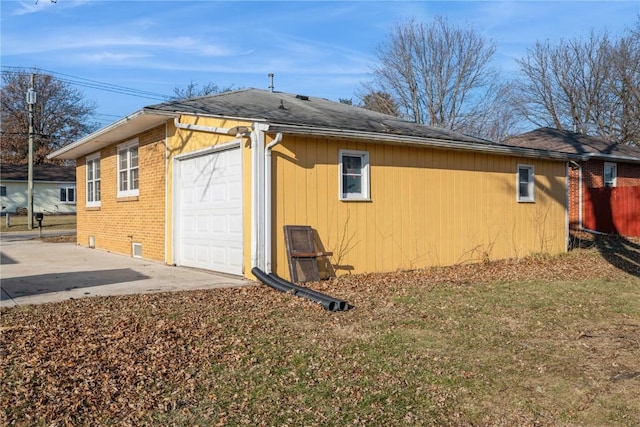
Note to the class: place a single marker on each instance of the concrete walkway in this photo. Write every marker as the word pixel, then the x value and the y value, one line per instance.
pixel 35 272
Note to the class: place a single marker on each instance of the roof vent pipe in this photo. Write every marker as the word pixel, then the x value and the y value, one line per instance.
pixel 270 75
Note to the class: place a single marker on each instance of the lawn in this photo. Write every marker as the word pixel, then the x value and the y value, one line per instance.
pixel 49 222
pixel 532 342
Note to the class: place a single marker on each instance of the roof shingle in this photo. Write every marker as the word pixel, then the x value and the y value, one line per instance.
pixel 573 143
pixel 289 109
pixel 49 173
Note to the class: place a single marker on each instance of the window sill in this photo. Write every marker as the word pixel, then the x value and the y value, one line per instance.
pixel 356 200
pixel 526 201
pixel 92 208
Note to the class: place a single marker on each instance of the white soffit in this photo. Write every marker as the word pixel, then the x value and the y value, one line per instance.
pixel 121 130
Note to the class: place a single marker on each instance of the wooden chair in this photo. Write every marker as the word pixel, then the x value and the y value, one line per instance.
pixel 302 253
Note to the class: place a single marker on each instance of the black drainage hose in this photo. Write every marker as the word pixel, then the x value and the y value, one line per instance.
pixel 279 284
pixel 341 305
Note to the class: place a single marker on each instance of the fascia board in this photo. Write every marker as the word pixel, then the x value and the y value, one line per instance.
pixel 612 157
pixel 427 142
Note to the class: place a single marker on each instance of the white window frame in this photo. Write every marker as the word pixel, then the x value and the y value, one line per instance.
pixel 95 183
pixel 126 150
pixel 364 194
pixel 530 198
pixel 614 174
pixel 66 195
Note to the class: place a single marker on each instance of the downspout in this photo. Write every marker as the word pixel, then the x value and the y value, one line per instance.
pixel 268 201
pixel 166 196
pixel 257 195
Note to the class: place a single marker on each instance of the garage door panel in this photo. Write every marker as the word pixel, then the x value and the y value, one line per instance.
pixel 235 225
pixel 209 220
pixel 203 253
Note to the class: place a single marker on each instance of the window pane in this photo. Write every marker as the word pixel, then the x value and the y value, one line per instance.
pixel 97 196
pixel 90 167
pixel 134 157
pixel 63 195
pixel 71 195
pixel 123 159
pixel 524 190
pixel 90 192
pixel 96 163
pixel 352 165
pixel 134 179
pixel 3 191
pixel 351 184
pixel 124 185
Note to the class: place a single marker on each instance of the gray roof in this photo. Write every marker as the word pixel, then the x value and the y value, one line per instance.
pixel 278 108
pixel 295 114
pixel 574 143
pixel 46 173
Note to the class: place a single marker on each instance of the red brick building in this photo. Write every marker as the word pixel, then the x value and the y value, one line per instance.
pixel 603 185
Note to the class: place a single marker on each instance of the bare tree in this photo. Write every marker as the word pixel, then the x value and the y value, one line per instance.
pixel 381 102
pixel 192 91
pixel 562 84
pixel 623 122
pixel 438 74
pixel 500 120
pixel 585 85
pixel 61 115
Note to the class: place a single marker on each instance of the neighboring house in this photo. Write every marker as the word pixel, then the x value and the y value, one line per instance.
pixel 210 182
pixel 604 184
pixel 54 188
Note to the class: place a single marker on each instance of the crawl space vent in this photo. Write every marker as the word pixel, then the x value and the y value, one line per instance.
pixel 136 250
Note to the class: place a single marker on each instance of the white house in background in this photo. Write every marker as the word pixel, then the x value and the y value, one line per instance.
pixel 54 188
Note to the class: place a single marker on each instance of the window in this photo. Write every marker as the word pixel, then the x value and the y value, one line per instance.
pixel 610 174
pixel 3 190
pixel 68 195
pixel 354 175
pixel 128 169
pixel 93 180
pixel 525 183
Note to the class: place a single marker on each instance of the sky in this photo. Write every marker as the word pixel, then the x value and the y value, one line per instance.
pixel 125 55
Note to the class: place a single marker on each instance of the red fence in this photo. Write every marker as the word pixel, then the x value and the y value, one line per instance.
pixel 612 210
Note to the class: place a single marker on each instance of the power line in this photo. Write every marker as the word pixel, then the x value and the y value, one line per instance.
pixel 92 84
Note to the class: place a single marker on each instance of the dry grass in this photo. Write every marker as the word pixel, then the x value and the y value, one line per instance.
pixel 50 222
pixel 538 341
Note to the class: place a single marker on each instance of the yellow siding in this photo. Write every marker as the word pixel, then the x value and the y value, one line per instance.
pixel 428 207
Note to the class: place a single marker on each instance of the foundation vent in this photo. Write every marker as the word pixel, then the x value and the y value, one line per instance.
pixel 136 250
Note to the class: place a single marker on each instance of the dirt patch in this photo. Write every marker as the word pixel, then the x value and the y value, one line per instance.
pixel 67 238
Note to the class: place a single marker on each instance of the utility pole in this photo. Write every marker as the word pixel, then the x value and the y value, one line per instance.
pixel 31 100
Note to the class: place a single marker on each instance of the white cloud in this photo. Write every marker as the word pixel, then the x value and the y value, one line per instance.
pixel 36 6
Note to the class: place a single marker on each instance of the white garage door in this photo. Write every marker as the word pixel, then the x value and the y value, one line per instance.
pixel 209 212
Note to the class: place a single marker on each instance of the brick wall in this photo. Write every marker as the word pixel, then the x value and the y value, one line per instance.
pixel 119 222
pixel 574 197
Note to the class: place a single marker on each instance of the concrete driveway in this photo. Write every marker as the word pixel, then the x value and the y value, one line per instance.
pixel 36 272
